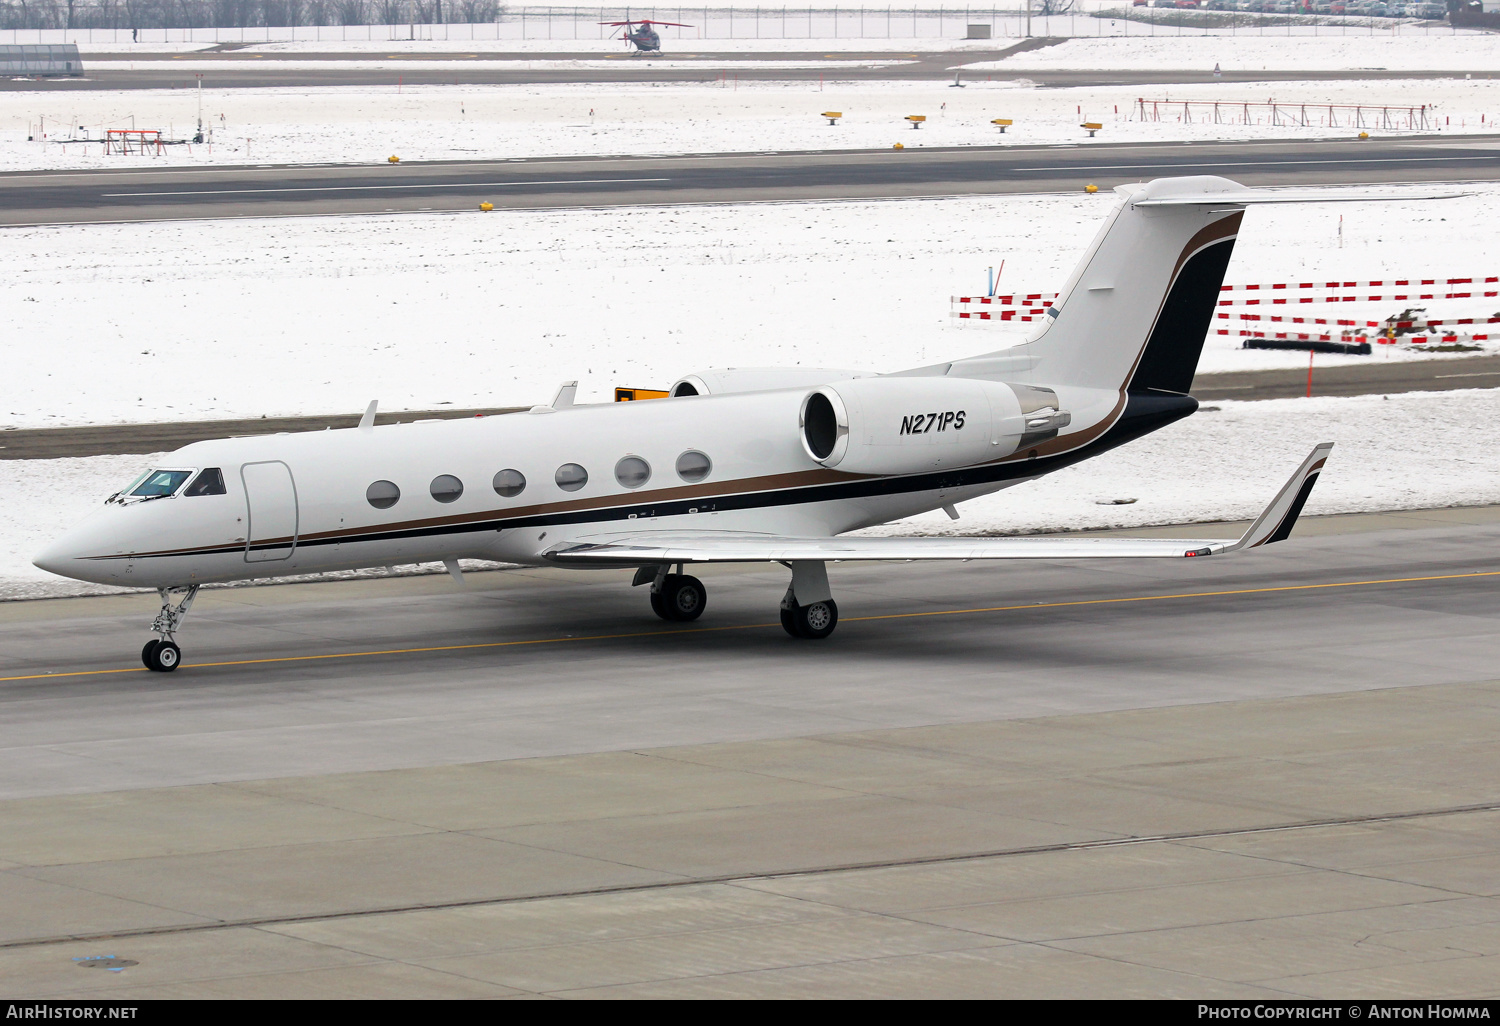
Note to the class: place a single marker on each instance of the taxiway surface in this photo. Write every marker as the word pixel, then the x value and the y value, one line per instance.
pixel 373 674
pixel 1200 778
pixel 63 197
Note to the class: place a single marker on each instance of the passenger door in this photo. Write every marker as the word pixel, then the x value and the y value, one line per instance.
pixel 270 511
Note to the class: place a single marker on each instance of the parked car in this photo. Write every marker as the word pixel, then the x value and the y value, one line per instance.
pixel 1337 7
pixel 1431 10
pixel 1377 10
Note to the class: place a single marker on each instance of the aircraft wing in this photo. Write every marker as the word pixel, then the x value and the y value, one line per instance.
pixel 646 548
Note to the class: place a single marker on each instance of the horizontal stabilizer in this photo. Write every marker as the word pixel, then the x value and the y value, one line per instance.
pixel 644 549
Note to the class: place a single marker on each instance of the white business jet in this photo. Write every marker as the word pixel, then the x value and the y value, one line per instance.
pixel 762 465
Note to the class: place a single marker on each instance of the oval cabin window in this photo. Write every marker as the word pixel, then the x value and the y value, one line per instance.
pixel 510 483
pixel 693 466
pixel 571 477
pixel 383 494
pixel 632 472
pixel 446 488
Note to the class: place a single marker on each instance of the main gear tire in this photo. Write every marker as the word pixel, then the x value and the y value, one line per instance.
pixel 683 597
pixel 814 621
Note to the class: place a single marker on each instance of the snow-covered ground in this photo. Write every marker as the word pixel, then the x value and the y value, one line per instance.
pixel 457 122
pixel 240 318
pixel 1357 47
pixel 1409 451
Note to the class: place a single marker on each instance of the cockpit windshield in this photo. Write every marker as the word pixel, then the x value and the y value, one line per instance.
pixel 158 483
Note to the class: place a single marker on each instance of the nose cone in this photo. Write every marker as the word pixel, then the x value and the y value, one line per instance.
pixel 68 557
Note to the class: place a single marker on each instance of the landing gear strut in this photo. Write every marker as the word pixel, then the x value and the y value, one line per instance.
pixel 815 614
pixel 677 596
pixel 162 654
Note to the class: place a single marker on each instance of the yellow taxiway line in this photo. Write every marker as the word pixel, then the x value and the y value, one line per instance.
pixel 753 626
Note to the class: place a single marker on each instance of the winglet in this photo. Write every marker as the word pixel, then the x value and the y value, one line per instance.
pixel 1276 521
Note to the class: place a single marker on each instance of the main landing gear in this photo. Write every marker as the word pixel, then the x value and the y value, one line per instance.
pixel 813 621
pixel 162 654
pixel 676 596
pixel 807 610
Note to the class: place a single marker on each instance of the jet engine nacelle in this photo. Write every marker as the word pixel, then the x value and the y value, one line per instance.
pixel 898 425
pixel 725 380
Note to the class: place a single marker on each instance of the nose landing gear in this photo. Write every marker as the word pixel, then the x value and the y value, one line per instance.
pixel 162 654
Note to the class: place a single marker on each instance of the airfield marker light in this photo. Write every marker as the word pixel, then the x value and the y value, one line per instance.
pixel 1364 135
pixel 1091 188
pixel 898 146
pixel 393 159
pixel 486 206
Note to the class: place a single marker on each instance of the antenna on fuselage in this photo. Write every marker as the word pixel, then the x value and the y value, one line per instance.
pixel 565 395
pixel 368 420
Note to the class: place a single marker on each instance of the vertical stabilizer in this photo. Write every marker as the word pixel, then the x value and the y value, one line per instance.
pixel 1134 313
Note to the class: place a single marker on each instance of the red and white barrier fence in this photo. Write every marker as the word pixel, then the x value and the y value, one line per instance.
pixel 1034 314
pixel 1033 306
pixel 1013 300
pixel 1385 283
pixel 1378 339
pixel 1396 325
pixel 1393 298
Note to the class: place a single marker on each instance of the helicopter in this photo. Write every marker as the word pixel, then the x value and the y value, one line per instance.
pixel 645 38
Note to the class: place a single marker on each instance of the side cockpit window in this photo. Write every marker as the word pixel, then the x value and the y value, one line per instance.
pixel 160 483
pixel 209 482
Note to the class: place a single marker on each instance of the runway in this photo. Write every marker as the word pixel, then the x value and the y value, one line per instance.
pixel 250 68
pixel 76 197
pixel 1259 777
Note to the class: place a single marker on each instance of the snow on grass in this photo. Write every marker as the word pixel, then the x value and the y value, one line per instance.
pixel 242 318
pixel 368 124
pixel 1416 48
pixel 1413 451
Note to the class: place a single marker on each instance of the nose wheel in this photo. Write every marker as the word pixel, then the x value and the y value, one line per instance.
pixel 161 655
